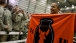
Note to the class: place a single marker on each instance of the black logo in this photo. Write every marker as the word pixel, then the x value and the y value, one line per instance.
pixel 63 40
pixel 45 26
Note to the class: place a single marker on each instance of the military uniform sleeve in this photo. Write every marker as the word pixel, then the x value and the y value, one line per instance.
pixel 1 19
pixel 5 18
pixel 25 16
pixel 8 19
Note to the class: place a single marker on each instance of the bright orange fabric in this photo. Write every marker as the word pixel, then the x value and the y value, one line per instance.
pixel 63 26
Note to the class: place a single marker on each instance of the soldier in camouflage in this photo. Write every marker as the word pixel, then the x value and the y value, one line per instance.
pixel 8 19
pixel 3 27
pixel 18 17
pixel 24 27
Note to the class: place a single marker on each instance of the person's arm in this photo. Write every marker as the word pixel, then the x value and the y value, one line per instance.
pixel 24 15
pixel 1 20
pixel 8 20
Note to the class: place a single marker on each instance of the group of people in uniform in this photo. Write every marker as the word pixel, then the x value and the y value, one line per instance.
pixel 12 20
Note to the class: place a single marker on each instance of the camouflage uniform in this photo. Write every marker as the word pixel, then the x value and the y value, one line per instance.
pixel 17 24
pixel 2 25
pixel 8 21
pixel 24 27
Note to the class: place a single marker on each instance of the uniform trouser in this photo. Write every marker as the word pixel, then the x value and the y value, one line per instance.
pixel 22 37
pixel 3 38
pixel 13 37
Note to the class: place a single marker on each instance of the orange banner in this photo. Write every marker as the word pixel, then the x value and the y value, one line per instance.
pixel 51 28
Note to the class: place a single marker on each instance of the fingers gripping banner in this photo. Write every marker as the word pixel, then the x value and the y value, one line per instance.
pixel 51 28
